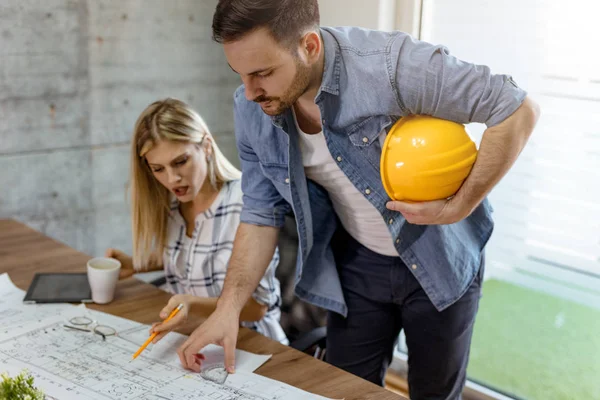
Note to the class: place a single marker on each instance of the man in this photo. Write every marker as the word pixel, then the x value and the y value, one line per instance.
pixel 310 117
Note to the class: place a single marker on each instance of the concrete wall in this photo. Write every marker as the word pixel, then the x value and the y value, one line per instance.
pixel 74 75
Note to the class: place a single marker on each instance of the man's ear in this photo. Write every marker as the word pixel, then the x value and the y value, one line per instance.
pixel 310 46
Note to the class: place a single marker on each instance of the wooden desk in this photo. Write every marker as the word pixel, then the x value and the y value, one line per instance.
pixel 23 252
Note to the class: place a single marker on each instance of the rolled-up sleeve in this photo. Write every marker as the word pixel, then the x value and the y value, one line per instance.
pixel 428 80
pixel 263 205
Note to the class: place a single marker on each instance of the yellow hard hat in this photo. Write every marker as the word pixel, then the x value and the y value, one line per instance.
pixel 426 158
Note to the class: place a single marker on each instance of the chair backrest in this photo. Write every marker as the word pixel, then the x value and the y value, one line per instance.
pixel 297 316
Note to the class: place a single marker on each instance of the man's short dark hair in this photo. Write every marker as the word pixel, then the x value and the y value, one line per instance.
pixel 286 20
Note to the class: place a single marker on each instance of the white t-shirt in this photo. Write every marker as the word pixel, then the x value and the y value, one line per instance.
pixel 358 216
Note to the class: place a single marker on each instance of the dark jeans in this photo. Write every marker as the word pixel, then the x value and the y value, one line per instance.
pixel 384 297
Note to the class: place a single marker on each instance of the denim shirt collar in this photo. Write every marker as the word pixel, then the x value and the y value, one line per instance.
pixel 330 82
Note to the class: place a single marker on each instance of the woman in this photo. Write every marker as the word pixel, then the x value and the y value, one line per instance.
pixel 186 203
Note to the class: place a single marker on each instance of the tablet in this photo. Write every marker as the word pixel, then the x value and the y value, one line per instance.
pixel 58 288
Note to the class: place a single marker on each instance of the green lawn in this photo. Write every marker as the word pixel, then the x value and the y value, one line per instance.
pixel 536 346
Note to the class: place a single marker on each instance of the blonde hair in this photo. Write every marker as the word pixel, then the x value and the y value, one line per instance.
pixel 168 119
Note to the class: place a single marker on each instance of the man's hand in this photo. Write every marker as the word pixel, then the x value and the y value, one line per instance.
pixel 221 328
pixel 438 212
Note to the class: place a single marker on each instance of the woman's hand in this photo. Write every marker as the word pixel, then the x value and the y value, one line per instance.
pixel 162 328
pixel 125 260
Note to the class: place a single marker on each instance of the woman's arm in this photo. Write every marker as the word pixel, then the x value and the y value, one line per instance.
pixel 201 307
pixel 126 261
pixel 252 311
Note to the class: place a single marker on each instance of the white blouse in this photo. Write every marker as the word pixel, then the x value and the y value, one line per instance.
pixel 197 265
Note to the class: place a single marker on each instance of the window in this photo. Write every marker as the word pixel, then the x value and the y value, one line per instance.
pixel 537 334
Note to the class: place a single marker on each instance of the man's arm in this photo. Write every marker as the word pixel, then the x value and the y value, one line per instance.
pixel 428 80
pixel 500 146
pixel 263 215
pixel 499 149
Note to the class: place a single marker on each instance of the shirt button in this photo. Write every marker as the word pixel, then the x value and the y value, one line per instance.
pixel 368 191
pixel 391 221
pixel 287 180
pixel 323 122
pixel 339 159
pixel 414 266
pixel 397 241
pixel 365 140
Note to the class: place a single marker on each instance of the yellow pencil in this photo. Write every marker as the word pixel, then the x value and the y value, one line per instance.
pixel 173 313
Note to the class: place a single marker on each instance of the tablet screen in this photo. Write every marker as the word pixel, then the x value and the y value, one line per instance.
pixel 58 288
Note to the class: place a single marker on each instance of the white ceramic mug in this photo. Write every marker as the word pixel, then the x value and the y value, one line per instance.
pixel 103 274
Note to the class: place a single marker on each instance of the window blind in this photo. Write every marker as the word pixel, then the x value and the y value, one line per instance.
pixel 547 208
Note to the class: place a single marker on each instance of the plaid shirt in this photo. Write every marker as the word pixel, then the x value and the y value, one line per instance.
pixel 198 265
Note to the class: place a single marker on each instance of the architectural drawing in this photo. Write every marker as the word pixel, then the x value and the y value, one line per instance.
pixel 70 364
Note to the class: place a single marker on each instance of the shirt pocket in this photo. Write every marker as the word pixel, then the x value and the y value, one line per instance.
pixel 367 132
pixel 365 136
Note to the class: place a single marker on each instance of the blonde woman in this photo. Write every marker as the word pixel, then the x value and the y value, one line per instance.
pixel 186 200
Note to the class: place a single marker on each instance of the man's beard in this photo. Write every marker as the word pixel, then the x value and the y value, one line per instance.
pixel 298 87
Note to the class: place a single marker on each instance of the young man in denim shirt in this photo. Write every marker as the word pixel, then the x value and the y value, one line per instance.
pixel 310 118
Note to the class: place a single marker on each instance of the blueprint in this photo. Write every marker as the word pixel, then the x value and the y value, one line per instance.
pixel 71 364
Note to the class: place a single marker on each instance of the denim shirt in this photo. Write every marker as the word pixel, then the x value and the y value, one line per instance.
pixel 370 80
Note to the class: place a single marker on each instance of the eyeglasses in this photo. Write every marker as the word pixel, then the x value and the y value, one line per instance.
pixel 86 324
